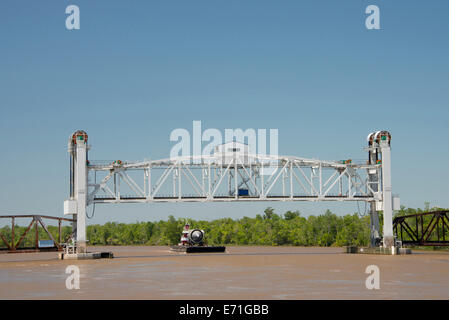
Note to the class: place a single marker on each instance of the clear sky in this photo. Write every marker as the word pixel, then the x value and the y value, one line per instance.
pixel 136 70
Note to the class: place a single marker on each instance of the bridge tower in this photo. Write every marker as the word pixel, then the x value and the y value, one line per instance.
pixel 77 203
pixel 379 152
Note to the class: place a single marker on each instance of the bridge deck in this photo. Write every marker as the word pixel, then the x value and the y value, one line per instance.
pixel 230 198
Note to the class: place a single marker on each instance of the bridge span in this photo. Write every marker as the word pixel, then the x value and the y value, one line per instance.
pixel 231 173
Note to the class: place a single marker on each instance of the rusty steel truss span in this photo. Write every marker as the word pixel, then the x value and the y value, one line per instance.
pixel 239 177
pixel 423 229
pixel 13 246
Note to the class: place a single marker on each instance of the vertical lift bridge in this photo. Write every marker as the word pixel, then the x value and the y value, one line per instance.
pixel 232 174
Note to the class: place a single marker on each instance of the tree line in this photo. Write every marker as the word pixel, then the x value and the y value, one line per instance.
pixel 269 228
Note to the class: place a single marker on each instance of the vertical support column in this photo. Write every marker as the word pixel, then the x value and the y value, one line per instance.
pixel 59 231
pixel 81 192
pixel 203 181
pixel 321 181
pixel 145 177
pixel 349 184
pixel 209 187
pixel 374 224
pixel 118 194
pixel 229 181
pixel 373 180
pixel 36 234
pixel 236 187
pixel 386 191
pixel 72 152
pixel 291 180
pixel 312 174
pixel 174 181
pixel 179 181
pixel 150 194
pixel 73 224
pixel 13 236
pixel 283 182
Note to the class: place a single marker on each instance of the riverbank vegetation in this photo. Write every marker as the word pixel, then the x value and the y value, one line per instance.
pixel 268 228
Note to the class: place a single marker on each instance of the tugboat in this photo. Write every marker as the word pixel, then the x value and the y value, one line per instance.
pixel 192 241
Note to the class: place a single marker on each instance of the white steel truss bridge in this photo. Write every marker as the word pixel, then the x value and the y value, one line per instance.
pixel 238 178
pixel 231 174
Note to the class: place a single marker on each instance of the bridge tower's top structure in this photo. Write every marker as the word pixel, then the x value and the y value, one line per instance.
pixel 231 173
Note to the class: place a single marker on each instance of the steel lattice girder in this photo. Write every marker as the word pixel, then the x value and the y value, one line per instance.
pixel 213 178
pixel 422 227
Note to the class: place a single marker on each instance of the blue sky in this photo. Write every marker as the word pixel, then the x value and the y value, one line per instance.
pixel 137 70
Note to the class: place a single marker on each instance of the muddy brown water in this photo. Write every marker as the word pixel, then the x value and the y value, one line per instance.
pixel 240 273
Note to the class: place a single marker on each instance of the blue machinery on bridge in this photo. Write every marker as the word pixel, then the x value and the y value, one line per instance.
pixel 233 174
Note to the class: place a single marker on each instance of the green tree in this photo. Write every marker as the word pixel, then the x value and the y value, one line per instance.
pixel 290 215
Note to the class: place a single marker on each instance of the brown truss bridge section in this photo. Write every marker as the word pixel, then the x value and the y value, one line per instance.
pixel 423 229
pixel 36 220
